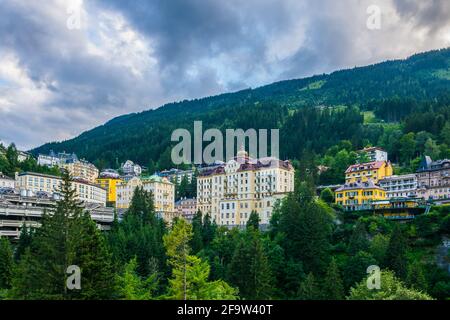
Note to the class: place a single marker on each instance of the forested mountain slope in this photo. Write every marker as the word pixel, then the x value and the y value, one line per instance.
pixel 145 137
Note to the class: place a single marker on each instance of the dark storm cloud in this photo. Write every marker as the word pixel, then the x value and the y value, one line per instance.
pixel 432 15
pixel 133 55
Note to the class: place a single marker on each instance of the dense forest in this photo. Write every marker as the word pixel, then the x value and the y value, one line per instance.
pixel 311 251
pixel 313 114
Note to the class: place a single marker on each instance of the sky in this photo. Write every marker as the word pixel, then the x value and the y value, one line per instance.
pixel 67 66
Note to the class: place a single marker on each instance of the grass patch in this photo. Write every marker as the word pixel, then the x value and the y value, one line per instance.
pixel 442 74
pixel 314 85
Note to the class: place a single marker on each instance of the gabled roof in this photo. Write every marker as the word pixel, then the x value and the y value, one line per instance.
pixel 362 185
pixel 366 166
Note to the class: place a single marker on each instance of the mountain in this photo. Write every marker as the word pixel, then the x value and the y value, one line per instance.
pixel 145 137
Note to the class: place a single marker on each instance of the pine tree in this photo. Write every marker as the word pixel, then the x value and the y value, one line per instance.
pixel 26 236
pixel 6 263
pixel 249 268
pixel 416 278
pixel 333 288
pixel 359 240
pixel 209 230
pixel 66 237
pixel 253 220
pixel 309 289
pixel 177 246
pixel 90 252
pixel 327 195
pixel 395 258
pixel 189 273
pixel 197 229
pixel 131 286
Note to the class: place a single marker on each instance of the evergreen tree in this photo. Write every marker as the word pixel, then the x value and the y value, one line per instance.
pixel 249 268
pixel 191 283
pixel 415 278
pixel 89 251
pixel 66 237
pixel 306 225
pixel 395 258
pixel 6 263
pixel 189 273
pixel 359 240
pixel 197 229
pixel 139 235
pixel 333 288
pixel 253 220
pixel 355 268
pixel 309 289
pixel 209 230
pixel 26 236
pixel 131 286
pixel 327 195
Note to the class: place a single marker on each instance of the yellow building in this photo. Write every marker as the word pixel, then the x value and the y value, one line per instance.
pixel 363 172
pixel 358 196
pixel 110 185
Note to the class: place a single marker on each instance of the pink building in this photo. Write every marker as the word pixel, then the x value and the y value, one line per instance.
pixel 186 207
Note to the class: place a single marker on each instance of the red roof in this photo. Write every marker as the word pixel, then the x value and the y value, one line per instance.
pixel 365 166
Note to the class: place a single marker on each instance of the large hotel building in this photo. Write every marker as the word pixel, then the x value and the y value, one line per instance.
pixel 36 182
pixel 162 189
pixel 231 191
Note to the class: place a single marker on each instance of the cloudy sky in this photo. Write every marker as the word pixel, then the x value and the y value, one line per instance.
pixel 69 65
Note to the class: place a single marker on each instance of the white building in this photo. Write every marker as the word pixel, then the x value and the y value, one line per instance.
pixel 22 156
pixel 375 154
pixel 163 195
pixel 31 183
pixel 6 182
pixel 130 168
pixel 177 175
pixel 48 160
pixel 400 186
pixel 230 192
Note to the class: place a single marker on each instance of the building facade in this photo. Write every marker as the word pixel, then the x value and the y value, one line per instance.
pixel 33 183
pixel 363 172
pixel 176 175
pixel 110 185
pixel 231 191
pixel 17 211
pixel 433 178
pixel 131 168
pixel 81 169
pixel 187 208
pixel 358 195
pixel 400 186
pixel 375 154
pixel 163 194
pixel 6 182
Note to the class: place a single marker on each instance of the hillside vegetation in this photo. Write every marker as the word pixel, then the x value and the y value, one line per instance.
pixel 313 113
